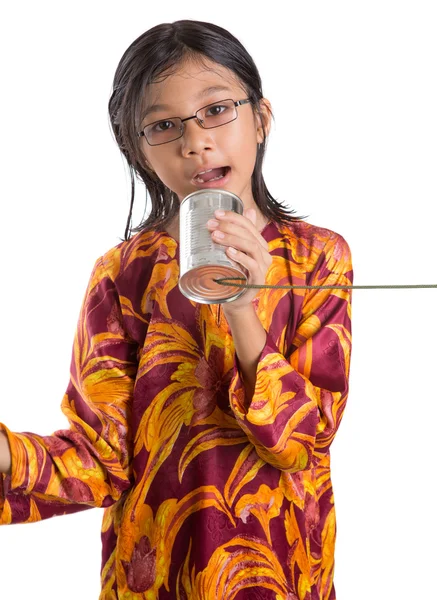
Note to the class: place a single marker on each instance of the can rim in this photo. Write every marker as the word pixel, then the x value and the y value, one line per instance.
pixel 221 190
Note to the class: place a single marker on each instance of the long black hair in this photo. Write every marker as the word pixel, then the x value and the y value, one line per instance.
pixel 154 54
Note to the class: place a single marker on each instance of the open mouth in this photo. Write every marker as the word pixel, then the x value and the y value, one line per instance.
pixel 212 175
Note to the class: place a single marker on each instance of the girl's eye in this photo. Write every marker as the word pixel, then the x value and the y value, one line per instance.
pixel 163 126
pixel 216 110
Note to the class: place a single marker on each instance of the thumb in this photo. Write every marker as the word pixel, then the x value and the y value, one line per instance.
pixel 250 214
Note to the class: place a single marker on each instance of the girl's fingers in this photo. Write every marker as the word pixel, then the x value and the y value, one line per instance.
pixel 238 237
pixel 239 225
pixel 245 260
pixel 244 245
pixel 249 245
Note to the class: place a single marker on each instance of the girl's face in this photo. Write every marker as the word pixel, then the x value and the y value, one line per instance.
pixel 233 145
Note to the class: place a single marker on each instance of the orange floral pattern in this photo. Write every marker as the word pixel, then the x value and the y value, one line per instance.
pixel 207 494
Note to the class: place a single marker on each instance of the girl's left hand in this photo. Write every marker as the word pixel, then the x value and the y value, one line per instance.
pixel 239 233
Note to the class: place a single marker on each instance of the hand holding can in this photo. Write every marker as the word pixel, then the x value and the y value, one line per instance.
pixel 202 260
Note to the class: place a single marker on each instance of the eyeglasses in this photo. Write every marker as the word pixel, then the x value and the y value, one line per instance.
pixel 208 117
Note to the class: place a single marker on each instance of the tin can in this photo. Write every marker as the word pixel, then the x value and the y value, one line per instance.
pixel 201 260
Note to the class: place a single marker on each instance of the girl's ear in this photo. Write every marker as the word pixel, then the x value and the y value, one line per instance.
pixel 263 117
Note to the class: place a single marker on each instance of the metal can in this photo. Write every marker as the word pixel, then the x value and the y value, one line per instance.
pixel 201 260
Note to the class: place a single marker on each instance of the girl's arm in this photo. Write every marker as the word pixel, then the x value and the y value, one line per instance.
pixel 88 464
pixel 5 454
pixel 291 406
pixel 249 338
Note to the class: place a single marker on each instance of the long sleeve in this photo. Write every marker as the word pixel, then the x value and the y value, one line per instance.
pixel 87 465
pixel 299 399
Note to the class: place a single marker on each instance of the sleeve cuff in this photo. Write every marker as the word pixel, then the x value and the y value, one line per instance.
pixel 237 392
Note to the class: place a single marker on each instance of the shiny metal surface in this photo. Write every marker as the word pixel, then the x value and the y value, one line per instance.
pixel 201 260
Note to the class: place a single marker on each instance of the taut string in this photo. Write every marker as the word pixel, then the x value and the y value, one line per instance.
pixel 226 280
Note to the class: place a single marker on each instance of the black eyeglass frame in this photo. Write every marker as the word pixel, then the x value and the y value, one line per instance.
pixel 200 122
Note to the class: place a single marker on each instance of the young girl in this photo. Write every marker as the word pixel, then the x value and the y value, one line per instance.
pixel 203 430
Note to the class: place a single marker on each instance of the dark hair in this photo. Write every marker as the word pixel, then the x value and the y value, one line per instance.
pixel 153 54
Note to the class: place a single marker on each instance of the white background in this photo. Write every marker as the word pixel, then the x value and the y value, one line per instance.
pixel 354 93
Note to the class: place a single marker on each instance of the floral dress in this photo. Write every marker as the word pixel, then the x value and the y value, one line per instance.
pixel 207 494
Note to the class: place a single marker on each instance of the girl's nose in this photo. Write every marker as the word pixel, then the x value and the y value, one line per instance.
pixel 196 138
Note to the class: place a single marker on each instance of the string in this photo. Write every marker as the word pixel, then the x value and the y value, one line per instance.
pixel 225 280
